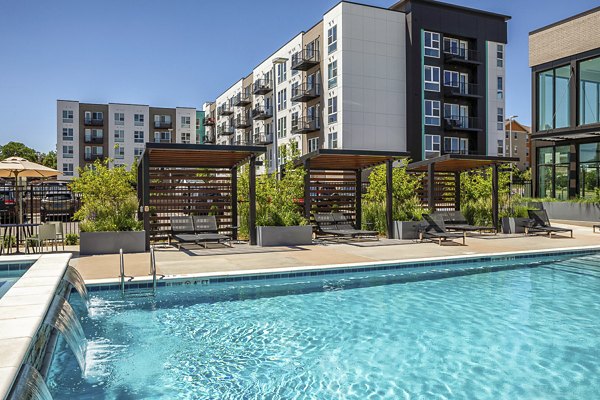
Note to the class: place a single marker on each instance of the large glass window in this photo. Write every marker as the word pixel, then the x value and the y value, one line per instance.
pixel 432 78
pixel 589 169
pixel 554 98
pixel 589 91
pixel 553 172
pixel 432 112
pixel 432 44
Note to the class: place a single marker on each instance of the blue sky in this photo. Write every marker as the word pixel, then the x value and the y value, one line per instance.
pixel 166 53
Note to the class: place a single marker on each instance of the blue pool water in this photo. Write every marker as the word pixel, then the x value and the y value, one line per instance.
pixel 531 332
pixel 7 279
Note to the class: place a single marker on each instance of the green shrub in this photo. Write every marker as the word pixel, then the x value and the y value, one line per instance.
pixel 71 239
pixel 109 200
pixel 9 241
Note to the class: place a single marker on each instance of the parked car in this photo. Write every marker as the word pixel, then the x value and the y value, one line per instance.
pixel 57 204
pixel 8 209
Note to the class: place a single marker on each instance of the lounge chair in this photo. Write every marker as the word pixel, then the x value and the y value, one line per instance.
pixel 336 224
pixel 435 229
pixel 456 221
pixel 205 228
pixel 343 224
pixel 182 230
pixel 541 223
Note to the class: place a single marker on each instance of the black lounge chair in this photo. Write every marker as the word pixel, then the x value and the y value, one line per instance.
pixel 205 227
pixel 539 222
pixel 343 224
pixel 456 221
pixel 182 230
pixel 435 229
pixel 336 224
pixel 199 229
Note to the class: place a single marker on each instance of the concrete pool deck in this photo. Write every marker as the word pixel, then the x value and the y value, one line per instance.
pixel 171 262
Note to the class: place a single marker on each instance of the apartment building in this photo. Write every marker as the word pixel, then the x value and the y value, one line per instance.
pixel 565 69
pixel 518 142
pixel 421 76
pixel 88 132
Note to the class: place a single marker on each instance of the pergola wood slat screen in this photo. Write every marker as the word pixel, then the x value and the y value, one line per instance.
pixel 332 191
pixel 444 189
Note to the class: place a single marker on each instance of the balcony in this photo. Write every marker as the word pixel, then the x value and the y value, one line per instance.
pixel 462 89
pixel 305 125
pixel 93 139
pixel 93 121
pixel 306 92
pixel 263 138
pixel 456 123
pixel 261 113
pixel 262 87
pixel 163 125
pixel 243 142
pixel 305 60
pixel 208 121
pixel 93 157
pixel 225 130
pixel 461 56
pixel 210 139
pixel 241 122
pixel 224 109
pixel 242 100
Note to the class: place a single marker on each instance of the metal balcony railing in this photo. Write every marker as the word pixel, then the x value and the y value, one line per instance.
pixel 460 123
pixel 461 89
pixel 305 92
pixel 93 121
pixel 305 125
pixel 263 138
pixel 305 59
pixel 454 55
pixel 261 112
pixel 262 86
pixel 242 100
pixel 225 130
pixel 163 124
pixel 208 121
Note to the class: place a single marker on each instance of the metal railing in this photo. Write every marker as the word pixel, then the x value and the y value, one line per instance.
pixel 153 268
pixel 262 86
pixel 461 88
pixel 461 55
pixel 122 271
pixel 163 125
pixel 93 121
pixel 305 59
pixel 455 122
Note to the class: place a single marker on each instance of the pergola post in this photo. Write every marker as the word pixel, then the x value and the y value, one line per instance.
pixel 146 196
pixel 430 182
pixel 495 195
pixel 234 204
pixel 252 200
pixel 358 200
pixel 307 189
pixel 388 198
pixel 457 190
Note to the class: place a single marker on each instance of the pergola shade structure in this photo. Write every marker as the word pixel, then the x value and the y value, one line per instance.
pixel 333 181
pixel 183 179
pixel 442 179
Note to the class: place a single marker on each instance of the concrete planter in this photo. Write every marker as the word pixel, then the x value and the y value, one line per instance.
pixel 513 225
pixel 110 242
pixel 283 235
pixel 572 211
pixel 406 230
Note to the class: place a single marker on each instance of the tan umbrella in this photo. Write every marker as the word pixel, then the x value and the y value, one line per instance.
pixel 15 167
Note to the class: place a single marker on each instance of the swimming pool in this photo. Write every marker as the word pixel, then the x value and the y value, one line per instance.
pixel 530 329
pixel 10 272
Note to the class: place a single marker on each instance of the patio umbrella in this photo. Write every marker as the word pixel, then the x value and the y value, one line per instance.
pixel 15 167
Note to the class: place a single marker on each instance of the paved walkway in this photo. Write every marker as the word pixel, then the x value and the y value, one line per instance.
pixel 196 260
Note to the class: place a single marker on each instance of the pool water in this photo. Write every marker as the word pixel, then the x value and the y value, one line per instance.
pixel 524 333
pixel 7 279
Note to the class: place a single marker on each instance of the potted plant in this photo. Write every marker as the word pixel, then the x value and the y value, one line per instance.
pixel 108 213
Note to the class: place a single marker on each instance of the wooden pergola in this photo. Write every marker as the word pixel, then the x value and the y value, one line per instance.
pixel 189 179
pixel 455 164
pixel 333 180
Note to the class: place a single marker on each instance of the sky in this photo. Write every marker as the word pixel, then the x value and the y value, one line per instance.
pixel 171 53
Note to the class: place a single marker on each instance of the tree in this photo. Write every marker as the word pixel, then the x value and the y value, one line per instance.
pixel 17 149
pixel 48 159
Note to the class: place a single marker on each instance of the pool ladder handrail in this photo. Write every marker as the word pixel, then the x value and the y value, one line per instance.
pixel 153 268
pixel 122 271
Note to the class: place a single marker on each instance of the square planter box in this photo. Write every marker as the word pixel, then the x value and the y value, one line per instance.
pixel 283 235
pixel 91 243
pixel 572 211
pixel 513 225
pixel 406 230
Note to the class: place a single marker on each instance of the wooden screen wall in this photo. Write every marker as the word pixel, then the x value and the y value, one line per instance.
pixel 333 191
pixel 443 191
pixel 188 191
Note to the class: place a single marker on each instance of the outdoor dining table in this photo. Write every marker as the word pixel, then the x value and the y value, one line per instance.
pixel 19 228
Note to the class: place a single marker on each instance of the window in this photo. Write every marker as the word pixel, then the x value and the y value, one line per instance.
pixel 67 151
pixel 589 91
pixel 119 152
pixel 98 151
pixel 553 172
pixel 456 145
pixel 138 136
pixel 589 169
pixel 432 146
pixel 67 116
pixel 499 55
pixel 500 119
pixel 332 140
pixel 332 39
pixel 281 127
pixel 295 89
pixel 162 137
pixel 451 78
pixel 119 135
pixel 500 93
pixel 67 134
pixel 67 169
pixel 432 78
pixel 332 109
pixel 313 144
pixel 500 147
pixel 93 116
pixel 432 44
pixel 553 98
pixel 138 119
pixel 119 119
pixel 294 121
pixel 185 137
pixel 332 75
pixel 185 122
pixel 281 72
pixel 282 100
pixel 432 112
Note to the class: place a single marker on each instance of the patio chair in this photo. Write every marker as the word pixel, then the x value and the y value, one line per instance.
pixel 434 228
pixel 182 230
pixel 343 224
pixel 45 237
pixel 328 226
pixel 541 223
pixel 206 230
pixel 456 221
pixel 60 233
